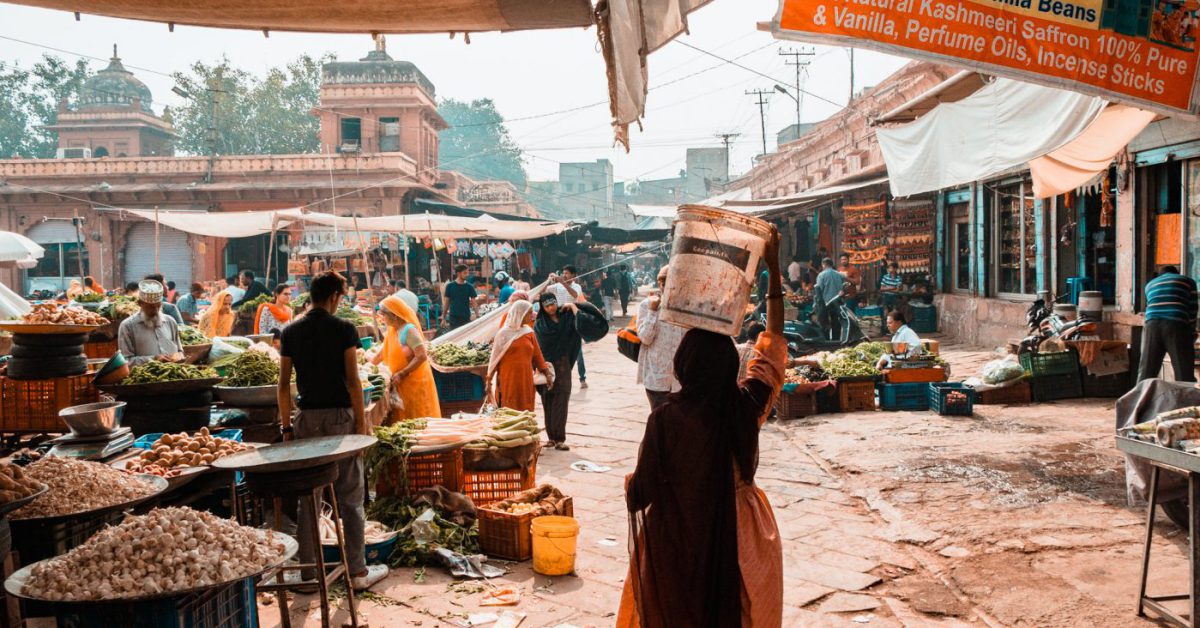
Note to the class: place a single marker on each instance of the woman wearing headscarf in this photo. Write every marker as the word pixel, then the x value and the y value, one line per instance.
pixel 405 355
pixel 276 314
pixel 515 356
pixel 74 290
pixel 704 546
pixel 561 344
pixel 218 319
pixel 90 283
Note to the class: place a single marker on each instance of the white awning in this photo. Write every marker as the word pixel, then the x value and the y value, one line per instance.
pixel 656 211
pixel 438 226
pixel 219 224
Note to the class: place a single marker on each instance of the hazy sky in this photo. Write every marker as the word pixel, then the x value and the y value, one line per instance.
pixel 533 73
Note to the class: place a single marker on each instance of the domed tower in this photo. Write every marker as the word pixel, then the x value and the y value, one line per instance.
pixel 379 105
pixel 113 117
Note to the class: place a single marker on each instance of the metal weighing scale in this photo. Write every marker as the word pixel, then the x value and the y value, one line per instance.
pixel 92 447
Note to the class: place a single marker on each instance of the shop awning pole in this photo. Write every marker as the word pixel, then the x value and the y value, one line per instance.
pixel 271 251
pixel 156 227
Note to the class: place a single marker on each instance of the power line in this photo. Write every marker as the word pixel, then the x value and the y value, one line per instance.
pixel 773 79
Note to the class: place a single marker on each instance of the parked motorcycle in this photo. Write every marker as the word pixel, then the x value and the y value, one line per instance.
pixel 806 337
pixel 1045 324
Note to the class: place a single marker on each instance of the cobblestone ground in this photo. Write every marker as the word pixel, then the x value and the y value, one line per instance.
pixel 1013 517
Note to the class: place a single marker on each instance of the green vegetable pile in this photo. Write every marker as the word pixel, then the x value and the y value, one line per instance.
pixel 395 442
pixel 348 313
pixel 90 297
pixel 156 372
pixel 119 308
pixel 397 513
pixel 190 336
pixel 471 354
pixel 868 352
pixel 512 428
pixel 251 306
pixel 857 361
pixel 251 368
pixel 299 302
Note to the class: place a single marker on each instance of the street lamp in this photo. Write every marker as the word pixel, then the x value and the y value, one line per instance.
pixel 783 90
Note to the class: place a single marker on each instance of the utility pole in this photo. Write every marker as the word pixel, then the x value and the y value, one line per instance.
pixel 851 76
pixel 801 66
pixel 762 112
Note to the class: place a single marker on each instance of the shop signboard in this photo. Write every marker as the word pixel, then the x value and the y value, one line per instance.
pixel 1140 52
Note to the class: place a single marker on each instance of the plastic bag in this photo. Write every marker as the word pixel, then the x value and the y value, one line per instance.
pixel 1002 370
pixel 221 347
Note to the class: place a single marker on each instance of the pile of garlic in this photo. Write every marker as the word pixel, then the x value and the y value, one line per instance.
pixel 79 486
pixel 166 550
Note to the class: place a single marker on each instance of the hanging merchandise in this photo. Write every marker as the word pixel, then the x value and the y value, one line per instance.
pixel 911 235
pixel 863 233
pixel 504 250
pixel 480 249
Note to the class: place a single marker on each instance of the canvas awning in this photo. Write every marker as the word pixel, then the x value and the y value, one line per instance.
pixel 1003 125
pixel 953 89
pixel 218 224
pixel 654 211
pixel 1089 154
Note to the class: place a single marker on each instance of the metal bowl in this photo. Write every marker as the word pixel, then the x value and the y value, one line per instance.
pixel 250 397
pixel 93 419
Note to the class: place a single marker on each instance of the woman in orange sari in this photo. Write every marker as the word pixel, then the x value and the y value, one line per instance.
pixel 218 319
pixel 699 527
pixel 515 356
pixel 406 357
pixel 90 283
pixel 275 315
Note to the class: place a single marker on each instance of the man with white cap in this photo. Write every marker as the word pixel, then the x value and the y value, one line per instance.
pixel 150 335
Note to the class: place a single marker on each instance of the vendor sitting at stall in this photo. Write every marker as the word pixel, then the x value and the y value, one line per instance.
pixel 149 334
pixel 901 333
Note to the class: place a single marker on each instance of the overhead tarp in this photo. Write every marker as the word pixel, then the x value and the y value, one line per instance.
pixel 1003 125
pixel 345 16
pixel 607 235
pixel 1086 156
pixel 484 328
pixel 656 211
pixel 468 212
pixel 629 31
pixel 1138 52
pixel 218 224
pixel 438 226
pixel 737 194
pixel 798 200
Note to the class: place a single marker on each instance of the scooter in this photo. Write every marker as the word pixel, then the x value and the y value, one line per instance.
pixel 808 337
pixel 1044 324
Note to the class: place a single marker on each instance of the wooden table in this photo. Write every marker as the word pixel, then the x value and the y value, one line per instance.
pixel 1176 461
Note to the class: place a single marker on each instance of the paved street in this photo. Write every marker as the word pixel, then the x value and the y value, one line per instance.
pixel 1013 517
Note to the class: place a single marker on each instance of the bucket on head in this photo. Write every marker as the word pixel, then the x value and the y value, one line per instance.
pixel 1065 311
pixel 713 260
pixel 1091 305
pixel 554 545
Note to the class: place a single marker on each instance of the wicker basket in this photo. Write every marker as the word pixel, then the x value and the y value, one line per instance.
pixel 31 406
pixel 486 487
pixel 856 395
pixel 501 459
pixel 508 536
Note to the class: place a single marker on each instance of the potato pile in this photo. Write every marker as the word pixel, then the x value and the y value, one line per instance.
pixel 79 486
pixel 163 551
pixel 172 451
pixel 15 484
pixel 52 314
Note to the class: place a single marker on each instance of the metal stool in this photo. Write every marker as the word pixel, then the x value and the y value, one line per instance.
pixel 308 485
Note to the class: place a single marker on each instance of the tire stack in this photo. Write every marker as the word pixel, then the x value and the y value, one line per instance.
pixel 47 356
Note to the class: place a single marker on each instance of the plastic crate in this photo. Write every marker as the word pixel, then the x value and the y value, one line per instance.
pixel 894 397
pixel 421 472
pixel 856 395
pixel 375 553
pixel 508 536
pixel 828 400
pixel 1055 387
pixel 34 541
pixel 1020 393
pixel 939 402
pixel 925 320
pixel 458 386
pixel 32 405
pixel 100 350
pixel 487 487
pixel 230 606
pixel 796 405
pixel 915 376
pixel 1107 386
pixel 146 441
pixel 1059 363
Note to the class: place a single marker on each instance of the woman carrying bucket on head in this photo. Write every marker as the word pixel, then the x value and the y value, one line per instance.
pixel 705 548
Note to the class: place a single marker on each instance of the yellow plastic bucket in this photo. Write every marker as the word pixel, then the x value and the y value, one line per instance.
pixel 554 545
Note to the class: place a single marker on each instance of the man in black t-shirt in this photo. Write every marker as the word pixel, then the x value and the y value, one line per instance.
pixel 324 351
pixel 458 299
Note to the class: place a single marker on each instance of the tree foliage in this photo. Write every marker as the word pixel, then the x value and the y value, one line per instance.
pixel 478 143
pixel 29 101
pixel 271 115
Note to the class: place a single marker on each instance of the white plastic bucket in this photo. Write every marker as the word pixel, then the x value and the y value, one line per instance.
pixel 713 262
pixel 1091 305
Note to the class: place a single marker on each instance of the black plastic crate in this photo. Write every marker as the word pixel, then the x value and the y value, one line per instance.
pixel 893 397
pixel 1107 386
pixel 230 606
pixel 1055 387
pixel 36 541
pixel 925 319
pixel 939 398
pixel 1058 363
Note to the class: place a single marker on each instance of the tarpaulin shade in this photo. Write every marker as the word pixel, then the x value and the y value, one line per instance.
pixel 345 16
pixel 1081 159
pixel 219 224
pixel 606 235
pixel 657 211
pixel 1002 126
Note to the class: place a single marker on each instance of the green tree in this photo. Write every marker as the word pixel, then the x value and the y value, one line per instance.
pixel 29 101
pixel 271 115
pixel 478 143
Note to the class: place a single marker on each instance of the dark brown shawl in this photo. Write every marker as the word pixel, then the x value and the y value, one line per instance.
pixel 681 496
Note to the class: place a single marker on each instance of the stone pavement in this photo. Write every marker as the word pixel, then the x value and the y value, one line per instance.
pixel 1014 517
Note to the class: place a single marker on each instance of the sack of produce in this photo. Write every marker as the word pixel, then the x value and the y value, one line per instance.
pixel 229 345
pixel 1002 371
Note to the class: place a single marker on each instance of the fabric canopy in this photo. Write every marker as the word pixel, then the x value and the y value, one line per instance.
pixel 1002 126
pixel 346 16
pixel 219 224
pixel 657 211
pixel 437 226
pixel 1081 159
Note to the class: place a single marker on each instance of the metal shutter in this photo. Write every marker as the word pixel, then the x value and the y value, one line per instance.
pixel 52 232
pixel 175 256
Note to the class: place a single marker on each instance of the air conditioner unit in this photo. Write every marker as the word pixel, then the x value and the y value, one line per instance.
pixel 74 153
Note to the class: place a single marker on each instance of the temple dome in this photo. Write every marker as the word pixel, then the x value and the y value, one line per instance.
pixel 114 86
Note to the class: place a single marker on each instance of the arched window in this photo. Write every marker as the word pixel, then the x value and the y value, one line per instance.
pixel 100 151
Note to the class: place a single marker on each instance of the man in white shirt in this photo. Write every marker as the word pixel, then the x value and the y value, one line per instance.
pixel 901 333
pixel 795 273
pixel 568 291
pixel 660 340
pixel 409 297
pixel 150 334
